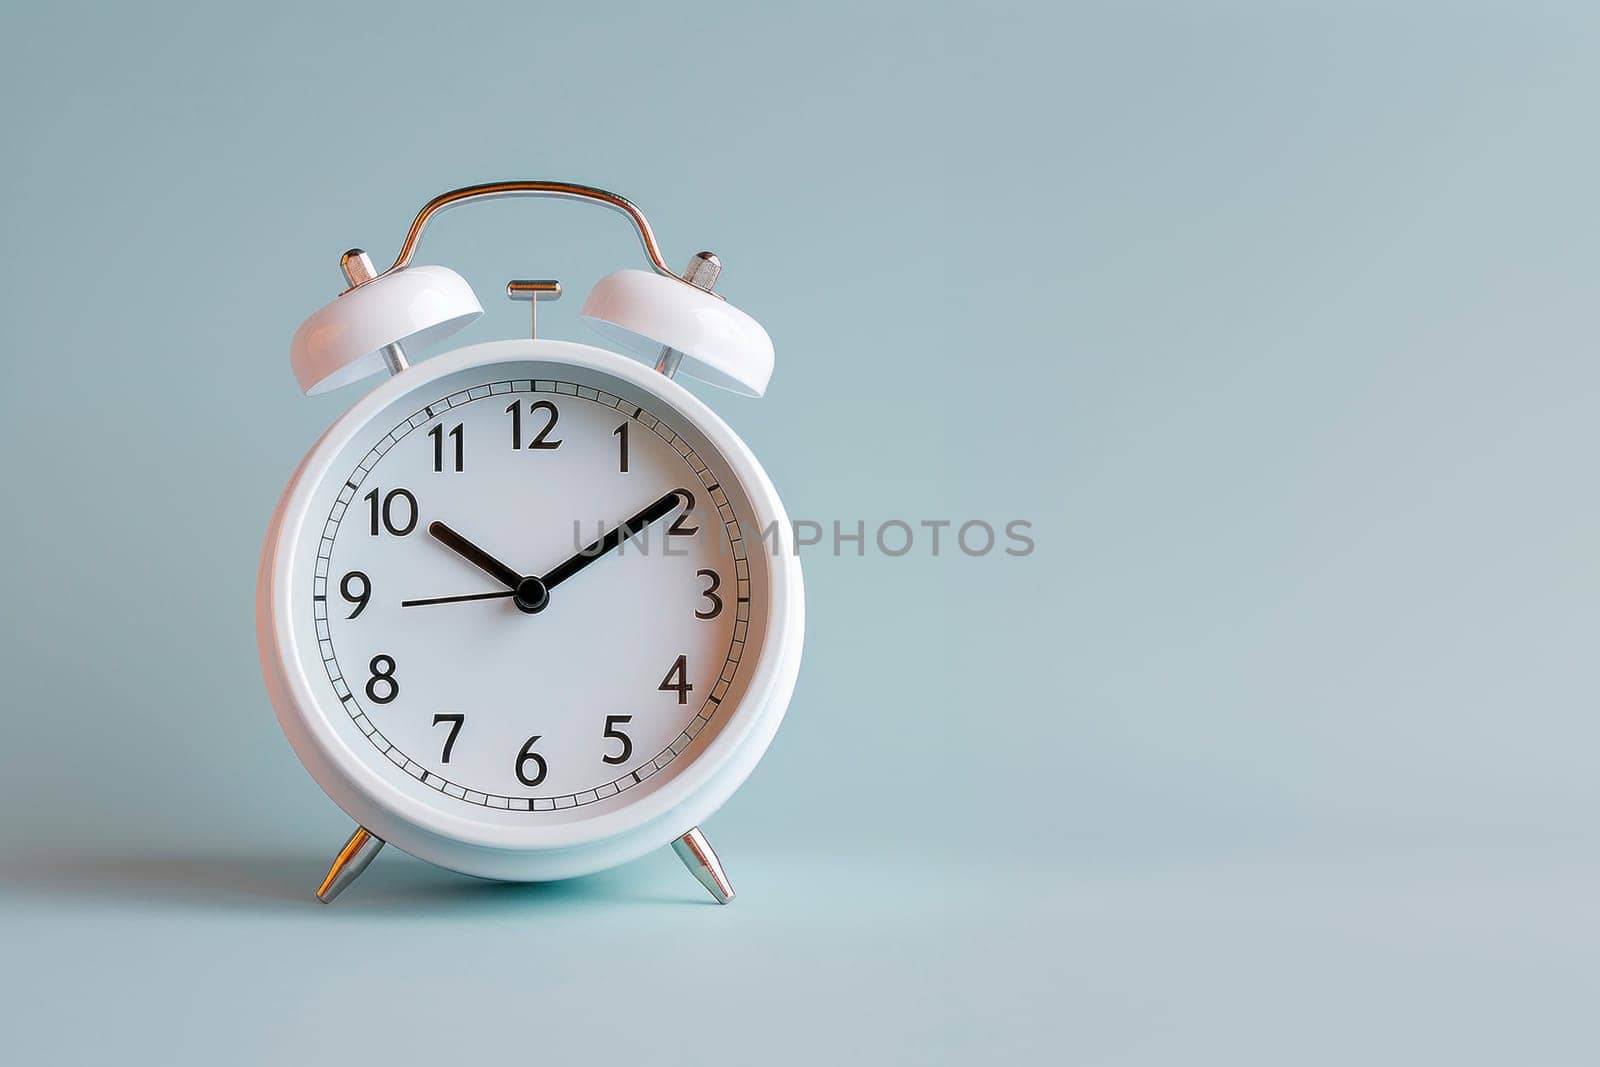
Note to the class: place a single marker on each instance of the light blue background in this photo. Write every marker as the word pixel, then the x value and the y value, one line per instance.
pixel 1277 321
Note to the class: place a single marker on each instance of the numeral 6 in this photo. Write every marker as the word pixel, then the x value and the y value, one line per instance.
pixel 527 756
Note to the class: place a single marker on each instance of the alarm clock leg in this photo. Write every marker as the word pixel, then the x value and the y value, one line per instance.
pixel 701 859
pixel 349 863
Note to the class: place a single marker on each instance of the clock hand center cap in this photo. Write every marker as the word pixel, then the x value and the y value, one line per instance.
pixel 531 596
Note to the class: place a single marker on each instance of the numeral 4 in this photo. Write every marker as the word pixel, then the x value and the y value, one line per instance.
pixel 680 671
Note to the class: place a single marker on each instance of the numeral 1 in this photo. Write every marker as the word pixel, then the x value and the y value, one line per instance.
pixel 621 432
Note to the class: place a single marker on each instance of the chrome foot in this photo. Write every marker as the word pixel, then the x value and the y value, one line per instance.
pixel 348 864
pixel 697 855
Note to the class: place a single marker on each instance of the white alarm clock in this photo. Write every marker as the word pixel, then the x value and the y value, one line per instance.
pixel 530 609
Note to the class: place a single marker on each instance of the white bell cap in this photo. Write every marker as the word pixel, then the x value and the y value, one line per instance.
pixel 342 342
pixel 721 345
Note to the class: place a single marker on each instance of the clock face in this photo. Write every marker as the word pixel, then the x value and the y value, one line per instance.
pixel 533 592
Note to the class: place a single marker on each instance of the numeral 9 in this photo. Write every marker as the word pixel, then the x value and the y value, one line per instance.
pixel 354 596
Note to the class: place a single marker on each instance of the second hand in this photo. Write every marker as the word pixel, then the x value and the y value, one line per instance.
pixel 497 595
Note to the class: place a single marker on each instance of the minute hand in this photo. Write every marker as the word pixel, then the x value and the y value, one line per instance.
pixel 585 556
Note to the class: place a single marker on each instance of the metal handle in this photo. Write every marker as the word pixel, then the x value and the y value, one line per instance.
pixel 557 190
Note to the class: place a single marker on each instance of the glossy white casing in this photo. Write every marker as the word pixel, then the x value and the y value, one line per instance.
pixel 341 342
pixel 720 344
pixel 420 820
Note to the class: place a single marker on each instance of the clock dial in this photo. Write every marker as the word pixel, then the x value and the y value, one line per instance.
pixel 534 595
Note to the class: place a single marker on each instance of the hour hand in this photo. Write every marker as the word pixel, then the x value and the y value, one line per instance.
pixel 474 555
pixel 659 509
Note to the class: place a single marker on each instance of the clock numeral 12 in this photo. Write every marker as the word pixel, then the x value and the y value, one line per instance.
pixel 514 409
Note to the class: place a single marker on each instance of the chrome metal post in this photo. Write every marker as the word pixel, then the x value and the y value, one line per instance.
pixel 358 271
pixel 702 274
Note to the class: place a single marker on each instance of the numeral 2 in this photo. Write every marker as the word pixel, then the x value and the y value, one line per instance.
pixel 678 527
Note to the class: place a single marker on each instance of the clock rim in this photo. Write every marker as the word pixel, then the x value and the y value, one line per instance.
pixel 434 832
